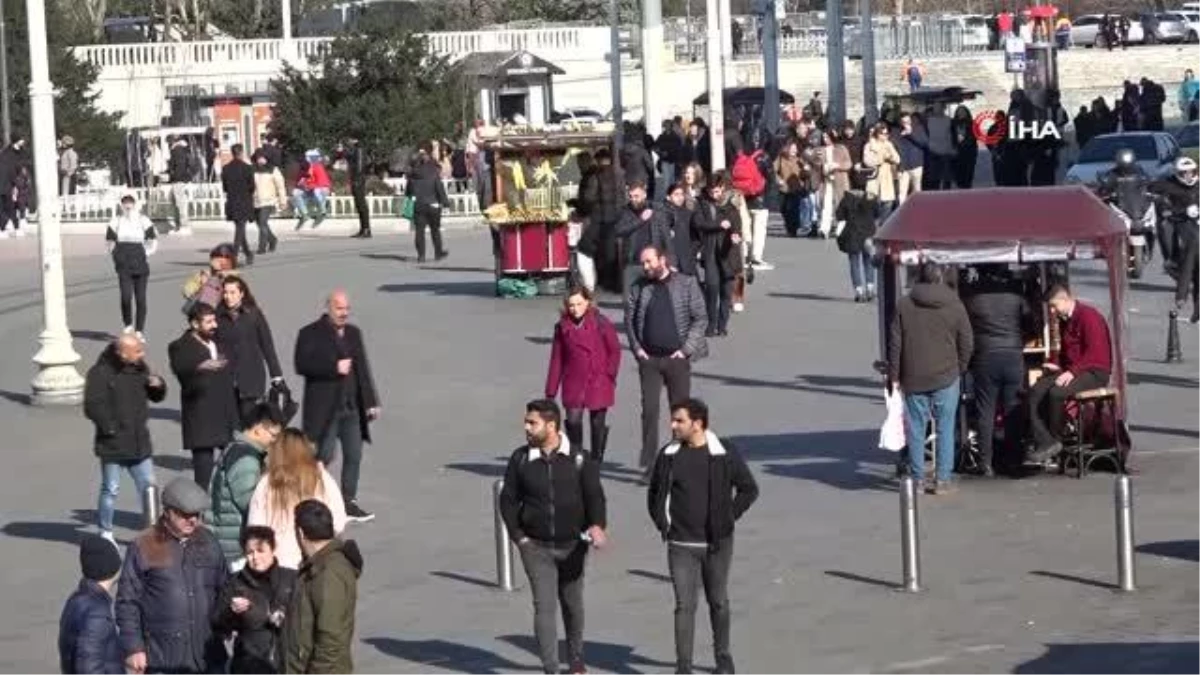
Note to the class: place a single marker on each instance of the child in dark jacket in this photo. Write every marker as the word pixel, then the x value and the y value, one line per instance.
pixel 87 630
pixel 252 605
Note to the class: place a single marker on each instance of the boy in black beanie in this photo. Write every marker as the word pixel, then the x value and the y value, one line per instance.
pixel 87 631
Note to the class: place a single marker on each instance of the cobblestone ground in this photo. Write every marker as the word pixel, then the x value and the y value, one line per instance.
pixel 1018 572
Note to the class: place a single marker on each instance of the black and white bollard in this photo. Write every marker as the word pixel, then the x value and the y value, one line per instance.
pixel 153 504
pixel 1174 350
pixel 1123 503
pixel 910 539
pixel 504 552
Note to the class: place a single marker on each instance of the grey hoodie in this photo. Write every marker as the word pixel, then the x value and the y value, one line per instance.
pixel 931 342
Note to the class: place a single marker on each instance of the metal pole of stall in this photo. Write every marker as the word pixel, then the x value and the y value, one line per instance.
pixel 1123 501
pixel 835 56
pixel 770 47
pixel 870 104
pixel 153 505
pixel 504 551
pixel 910 536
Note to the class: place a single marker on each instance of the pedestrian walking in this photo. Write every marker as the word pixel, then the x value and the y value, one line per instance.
pixel 966 146
pixel 68 167
pixel 319 630
pixel 237 180
pixel 293 476
pixel 911 147
pixel 585 358
pixel 182 167
pixel 340 400
pixel 236 478
pixel 23 201
pixel 11 160
pixel 116 399
pixel 209 403
pixel 270 197
pixel 252 607
pixel 793 187
pixel 424 186
pixel 131 238
pixel 640 226
pixel 720 224
pixel 881 161
pixel 169 584
pixel 857 210
pixel 553 505
pixel 685 236
pixel 207 287
pixel 665 323
pixel 929 349
pixel 748 179
pixel 700 487
pixel 358 171
pixel 245 336
pixel 87 630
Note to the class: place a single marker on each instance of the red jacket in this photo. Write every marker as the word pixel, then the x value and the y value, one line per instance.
pixel 1085 341
pixel 316 178
pixel 584 360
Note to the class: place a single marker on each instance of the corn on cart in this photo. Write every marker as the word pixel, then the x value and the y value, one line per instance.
pixel 535 173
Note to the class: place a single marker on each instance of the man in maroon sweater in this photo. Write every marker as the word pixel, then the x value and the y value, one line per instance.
pixel 1084 361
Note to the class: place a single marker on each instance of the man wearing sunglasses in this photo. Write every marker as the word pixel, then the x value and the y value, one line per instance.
pixel 169 584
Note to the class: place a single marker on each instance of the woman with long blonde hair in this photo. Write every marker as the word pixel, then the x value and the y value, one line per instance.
pixel 293 475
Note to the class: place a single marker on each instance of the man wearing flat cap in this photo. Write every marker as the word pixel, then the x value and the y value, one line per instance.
pixel 170 581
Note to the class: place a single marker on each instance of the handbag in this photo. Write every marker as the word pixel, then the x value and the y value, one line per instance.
pixel 407 209
pixel 280 397
pixel 891 434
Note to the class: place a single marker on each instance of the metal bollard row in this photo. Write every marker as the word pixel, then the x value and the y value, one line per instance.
pixel 504 548
pixel 1123 506
pixel 153 502
pixel 910 536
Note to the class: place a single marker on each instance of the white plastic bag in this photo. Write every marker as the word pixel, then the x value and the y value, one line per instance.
pixel 891 434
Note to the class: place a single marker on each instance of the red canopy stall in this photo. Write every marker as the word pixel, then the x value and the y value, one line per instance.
pixel 1022 226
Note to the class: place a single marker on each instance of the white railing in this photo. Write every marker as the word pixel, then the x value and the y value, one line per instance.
pixel 571 41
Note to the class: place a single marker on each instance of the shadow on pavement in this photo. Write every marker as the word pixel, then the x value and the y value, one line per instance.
pixel 16 397
pixel 652 576
pixel 70 532
pixel 388 256
pixel 1165 431
pixel 168 414
pixel 478 468
pixel 1116 657
pixel 817 297
pixel 461 270
pixel 538 339
pixel 447 655
pixel 476 289
pixel 851 576
pixel 1163 380
pixel 735 381
pixel 173 462
pixel 1059 576
pixel 455 576
pixel 844 459
pixel 840 381
pixel 603 656
pixel 93 335
pixel 1184 549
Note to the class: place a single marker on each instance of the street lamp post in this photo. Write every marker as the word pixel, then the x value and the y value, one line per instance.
pixel 614 72
pixel 287 47
pixel 716 86
pixel 57 381
pixel 5 116
pixel 652 58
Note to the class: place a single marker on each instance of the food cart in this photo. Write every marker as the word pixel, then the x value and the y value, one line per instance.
pixel 535 173
pixel 1040 231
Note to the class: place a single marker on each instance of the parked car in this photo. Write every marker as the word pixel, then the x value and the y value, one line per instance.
pixel 1188 139
pixel 972 27
pixel 583 115
pixel 1155 152
pixel 1168 27
pixel 1085 31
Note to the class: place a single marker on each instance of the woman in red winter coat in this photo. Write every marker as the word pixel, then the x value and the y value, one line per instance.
pixel 584 362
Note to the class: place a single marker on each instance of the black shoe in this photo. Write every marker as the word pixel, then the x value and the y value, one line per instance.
pixel 357 514
pixel 249 260
pixel 441 256
pixel 711 332
pixel 1195 318
pixel 366 235
pixel 420 260
pixel 722 332
pixel 260 251
pixel 1045 452
pixel 272 245
pixel 724 664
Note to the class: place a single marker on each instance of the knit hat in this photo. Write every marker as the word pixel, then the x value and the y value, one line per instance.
pixel 185 496
pixel 98 558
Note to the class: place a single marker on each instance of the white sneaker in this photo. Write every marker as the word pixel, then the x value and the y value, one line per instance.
pixel 183 232
pixel 21 232
pixel 127 330
pixel 762 265
pixel 738 307
pixel 141 336
pixel 108 536
pixel 7 234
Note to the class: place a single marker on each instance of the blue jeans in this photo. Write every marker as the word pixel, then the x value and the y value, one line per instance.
pixel 943 405
pixel 808 213
pixel 300 198
pixel 110 484
pixel 861 269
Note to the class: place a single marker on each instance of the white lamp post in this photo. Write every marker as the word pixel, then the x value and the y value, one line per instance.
pixel 57 381
pixel 652 70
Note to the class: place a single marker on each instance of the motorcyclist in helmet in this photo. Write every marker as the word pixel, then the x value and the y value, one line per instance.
pixel 1127 186
pixel 1182 210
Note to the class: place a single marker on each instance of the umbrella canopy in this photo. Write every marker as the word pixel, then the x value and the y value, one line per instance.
pixel 745 96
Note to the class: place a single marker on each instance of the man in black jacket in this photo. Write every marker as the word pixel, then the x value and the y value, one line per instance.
pixel 429 197
pixel 700 487
pixel 116 399
pixel 640 226
pixel 356 166
pixel 206 391
pixel 237 180
pixel 340 400
pixel 553 505
pixel 181 168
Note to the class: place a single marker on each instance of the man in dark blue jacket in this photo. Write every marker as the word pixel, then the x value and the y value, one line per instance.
pixel 911 144
pixel 87 633
pixel 172 576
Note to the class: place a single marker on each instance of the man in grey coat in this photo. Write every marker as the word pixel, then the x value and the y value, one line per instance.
pixel 665 321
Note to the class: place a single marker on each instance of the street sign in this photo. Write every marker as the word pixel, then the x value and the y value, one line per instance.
pixel 1014 55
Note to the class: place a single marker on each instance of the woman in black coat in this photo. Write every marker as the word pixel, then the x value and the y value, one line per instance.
pixel 253 605
pixel 244 333
pixel 237 180
pixel 857 209
pixel 720 224
pixel 207 398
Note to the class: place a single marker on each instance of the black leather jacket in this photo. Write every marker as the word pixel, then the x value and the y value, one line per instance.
pixel 1129 190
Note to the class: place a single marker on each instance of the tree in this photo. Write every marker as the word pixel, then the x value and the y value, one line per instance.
pixel 97 135
pixel 383 86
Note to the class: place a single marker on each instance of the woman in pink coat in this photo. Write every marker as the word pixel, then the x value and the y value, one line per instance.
pixel 584 362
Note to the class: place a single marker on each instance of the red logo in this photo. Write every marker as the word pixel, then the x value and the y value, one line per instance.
pixel 990 127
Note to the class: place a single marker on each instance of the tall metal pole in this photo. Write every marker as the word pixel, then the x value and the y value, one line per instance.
pixel 652 64
pixel 288 51
pixel 770 41
pixel 5 115
pixel 716 85
pixel 870 104
pixel 835 56
pixel 725 26
pixel 618 113
pixel 57 381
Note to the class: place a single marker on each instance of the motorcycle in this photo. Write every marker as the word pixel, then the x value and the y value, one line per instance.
pixel 1141 231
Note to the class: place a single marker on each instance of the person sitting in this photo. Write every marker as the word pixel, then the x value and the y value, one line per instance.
pixel 1083 362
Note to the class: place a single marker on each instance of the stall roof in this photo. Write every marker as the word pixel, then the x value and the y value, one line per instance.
pixel 745 95
pixel 490 64
pixel 994 215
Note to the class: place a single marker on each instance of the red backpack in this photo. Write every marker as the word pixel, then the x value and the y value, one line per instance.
pixel 747 178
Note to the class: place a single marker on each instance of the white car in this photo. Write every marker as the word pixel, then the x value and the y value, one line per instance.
pixel 1085 31
pixel 1155 152
pixel 578 115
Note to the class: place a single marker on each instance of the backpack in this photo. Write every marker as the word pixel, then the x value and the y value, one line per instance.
pixel 747 178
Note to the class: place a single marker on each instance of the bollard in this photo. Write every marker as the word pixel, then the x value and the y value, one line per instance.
pixel 910 544
pixel 504 551
pixel 152 504
pixel 1174 351
pixel 1123 501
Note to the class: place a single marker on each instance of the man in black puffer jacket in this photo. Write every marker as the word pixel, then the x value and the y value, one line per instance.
pixel 116 399
pixel 87 633
pixel 640 226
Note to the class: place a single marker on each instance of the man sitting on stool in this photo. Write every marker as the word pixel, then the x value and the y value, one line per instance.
pixel 1084 362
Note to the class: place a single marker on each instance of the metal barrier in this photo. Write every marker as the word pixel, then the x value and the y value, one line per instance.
pixel 910 536
pixel 153 504
pixel 1123 503
pixel 504 546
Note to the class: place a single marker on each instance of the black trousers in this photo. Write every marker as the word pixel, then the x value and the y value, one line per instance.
pixel 1047 402
pixel 202 466
pixel 1189 271
pixel 240 243
pixel 359 193
pixel 653 373
pixel 964 169
pixel 266 238
pixel 427 216
pixel 597 422
pixel 8 212
pixel 997 376
pixel 133 287
pixel 718 296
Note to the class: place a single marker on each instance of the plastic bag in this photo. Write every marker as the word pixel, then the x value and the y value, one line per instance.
pixel 891 434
